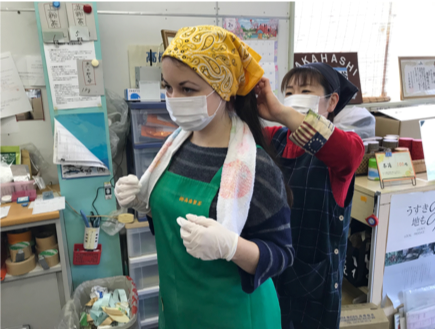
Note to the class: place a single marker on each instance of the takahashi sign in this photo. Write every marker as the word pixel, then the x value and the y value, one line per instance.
pixel 398 166
pixel 345 63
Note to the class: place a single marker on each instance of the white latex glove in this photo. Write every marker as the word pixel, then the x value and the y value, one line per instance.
pixel 126 190
pixel 206 239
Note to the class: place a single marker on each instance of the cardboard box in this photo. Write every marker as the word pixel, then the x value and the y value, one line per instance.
pixel 403 121
pixel 131 94
pixel 357 306
pixel 23 116
pixel 363 316
pixel 38 110
pixel 419 166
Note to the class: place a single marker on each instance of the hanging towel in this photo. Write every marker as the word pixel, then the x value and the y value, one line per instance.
pixel 237 181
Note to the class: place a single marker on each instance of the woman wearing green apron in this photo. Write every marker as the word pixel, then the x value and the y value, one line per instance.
pixel 220 209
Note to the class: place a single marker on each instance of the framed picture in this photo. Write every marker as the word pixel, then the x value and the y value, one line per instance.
pixel 344 63
pixel 417 77
pixel 167 37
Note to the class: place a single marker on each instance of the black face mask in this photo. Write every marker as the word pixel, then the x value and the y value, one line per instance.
pixel 339 84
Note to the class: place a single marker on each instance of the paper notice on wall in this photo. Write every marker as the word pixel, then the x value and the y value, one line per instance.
pixel 261 34
pixel 252 28
pixel 63 75
pixel 30 70
pixel 91 81
pixel 410 257
pixel 270 72
pixel 13 97
pixel 420 80
pixel 267 49
pixel 412 221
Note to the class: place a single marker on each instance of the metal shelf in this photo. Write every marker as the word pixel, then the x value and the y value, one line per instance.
pixel 142 259
pixel 37 271
pixel 149 322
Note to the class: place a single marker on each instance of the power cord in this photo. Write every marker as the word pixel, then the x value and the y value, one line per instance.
pixel 91 216
pixel 112 180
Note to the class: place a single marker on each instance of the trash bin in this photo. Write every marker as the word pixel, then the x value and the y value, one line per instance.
pixel 70 314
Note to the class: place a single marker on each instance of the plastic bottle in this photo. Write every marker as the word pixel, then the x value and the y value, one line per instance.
pixel 373 173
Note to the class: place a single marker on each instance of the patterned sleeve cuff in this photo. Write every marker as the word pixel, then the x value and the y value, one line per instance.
pixel 313 133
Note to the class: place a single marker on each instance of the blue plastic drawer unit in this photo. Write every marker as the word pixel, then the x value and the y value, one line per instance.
pixel 150 123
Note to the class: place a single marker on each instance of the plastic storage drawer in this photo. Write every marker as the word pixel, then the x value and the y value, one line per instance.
pixel 144 274
pixel 148 307
pixel 151 126
pixel 144 156
pixel 140 242
pixel 141 216
pixel 155 326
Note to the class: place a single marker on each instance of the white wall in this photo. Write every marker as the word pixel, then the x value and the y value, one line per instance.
pixel 118 32
pixel 19 36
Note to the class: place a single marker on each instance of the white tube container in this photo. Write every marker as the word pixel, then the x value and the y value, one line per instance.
pixel 91 238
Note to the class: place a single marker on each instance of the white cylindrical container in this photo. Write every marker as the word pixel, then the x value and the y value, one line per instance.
pixel 91 238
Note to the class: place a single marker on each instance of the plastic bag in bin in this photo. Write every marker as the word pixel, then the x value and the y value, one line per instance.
pixel 70 314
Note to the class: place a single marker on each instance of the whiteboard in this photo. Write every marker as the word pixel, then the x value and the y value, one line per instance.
pixel 118 30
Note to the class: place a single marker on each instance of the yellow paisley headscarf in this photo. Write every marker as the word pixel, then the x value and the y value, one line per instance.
pixel 219 57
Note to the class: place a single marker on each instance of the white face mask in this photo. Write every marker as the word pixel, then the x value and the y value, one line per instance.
pixel 190 113
pixel 303 103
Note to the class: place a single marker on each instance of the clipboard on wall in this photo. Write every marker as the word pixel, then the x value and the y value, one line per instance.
pixel 67 22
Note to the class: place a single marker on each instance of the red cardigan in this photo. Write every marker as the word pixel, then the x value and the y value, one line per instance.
pixel 342 154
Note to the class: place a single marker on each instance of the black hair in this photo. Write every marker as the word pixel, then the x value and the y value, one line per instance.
pixel 246 108
pixel 303 76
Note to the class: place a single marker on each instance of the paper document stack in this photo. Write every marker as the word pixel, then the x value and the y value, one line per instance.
pixel 421 318
pixel 13 97
pixel 68 150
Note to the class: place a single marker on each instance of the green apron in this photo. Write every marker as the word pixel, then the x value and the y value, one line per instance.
pixel 197 294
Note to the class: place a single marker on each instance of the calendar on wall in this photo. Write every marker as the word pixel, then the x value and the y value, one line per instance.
pixel 261 34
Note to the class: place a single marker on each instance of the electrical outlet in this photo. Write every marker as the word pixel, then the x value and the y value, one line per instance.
pixel 108 191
